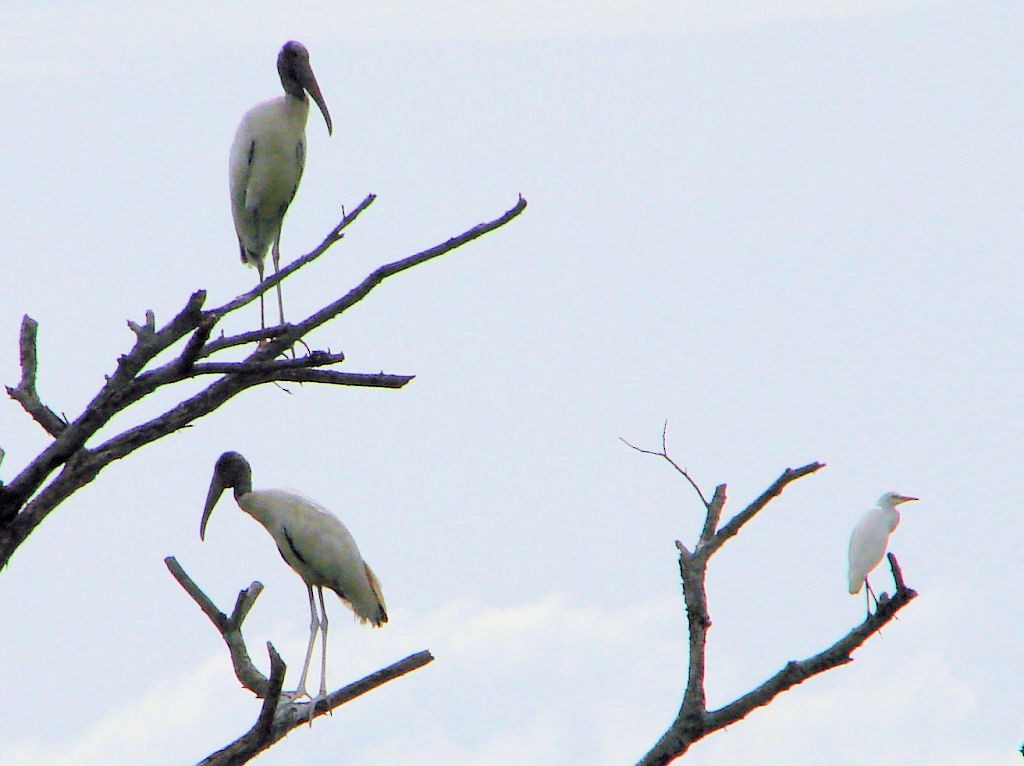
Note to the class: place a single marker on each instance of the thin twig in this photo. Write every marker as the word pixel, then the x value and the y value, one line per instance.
pixel 663 453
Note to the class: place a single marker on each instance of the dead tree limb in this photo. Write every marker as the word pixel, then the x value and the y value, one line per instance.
pixel 25 392
pixel 230 628
pixel 35 491
pixel 279 714
pixel 694 721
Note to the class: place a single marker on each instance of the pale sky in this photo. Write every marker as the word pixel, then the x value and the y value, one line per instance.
pixel 791 229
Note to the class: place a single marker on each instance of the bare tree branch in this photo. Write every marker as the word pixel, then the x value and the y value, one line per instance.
pixel 73 458
pixel 25 501
pixel 230 628
pixel 798 671
pixel 271 281
pixel 242 339
pixel 692 570
pixel 736 523
pixel 195 344
pixel 260 736
pixel 25 393
pixel 693 721
pixel 356 294
pixel 712 518
pixel 279 714
pixel 313 359
pixel 289 715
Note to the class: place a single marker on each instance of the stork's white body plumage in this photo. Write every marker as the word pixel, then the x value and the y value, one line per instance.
pixel 870 539
pixel 266 162
pixel 313 542
pixel 318 547
pixel 267 158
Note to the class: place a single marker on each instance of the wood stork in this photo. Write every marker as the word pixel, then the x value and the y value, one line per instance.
pixel 313 542
pixel 869 540
pixel 267 159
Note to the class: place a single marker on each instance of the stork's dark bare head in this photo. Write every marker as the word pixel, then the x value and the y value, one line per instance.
pixel 231 471
pixel 297 77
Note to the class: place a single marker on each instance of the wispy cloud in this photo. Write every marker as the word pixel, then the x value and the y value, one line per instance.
pixel 134 729
pixel 547 682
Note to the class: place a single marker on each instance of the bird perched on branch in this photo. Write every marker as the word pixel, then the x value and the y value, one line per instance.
pixel 869 540
pixel 267 159
pixel 313 542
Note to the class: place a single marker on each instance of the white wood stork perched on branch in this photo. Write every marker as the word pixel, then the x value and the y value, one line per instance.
pixel 267 158
pixel 869 540
pixel 313 543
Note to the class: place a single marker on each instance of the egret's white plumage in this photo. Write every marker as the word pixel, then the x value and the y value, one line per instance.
pixel 312 541
pixel 267 159
pixel 870 538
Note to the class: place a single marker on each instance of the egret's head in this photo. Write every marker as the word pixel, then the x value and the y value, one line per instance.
pixel 232 470
pixel 297 76
pixel 892 499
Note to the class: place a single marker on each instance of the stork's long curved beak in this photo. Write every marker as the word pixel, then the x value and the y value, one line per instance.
pixel 217 488
pixel 904 499
pixel 308 81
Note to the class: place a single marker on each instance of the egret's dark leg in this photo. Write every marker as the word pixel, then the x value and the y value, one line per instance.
pixel 868 595
pixel 323 636
pixel 314 625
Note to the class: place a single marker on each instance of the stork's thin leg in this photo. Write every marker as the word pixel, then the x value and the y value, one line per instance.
pixel 314 625
pixel 263 320
pixel 276 252
pixel 323 636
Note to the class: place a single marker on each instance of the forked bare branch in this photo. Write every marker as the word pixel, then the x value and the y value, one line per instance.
pixel 35 491
pixel 693 721
pixel 278 714
pixel 663 453
pixel 25 392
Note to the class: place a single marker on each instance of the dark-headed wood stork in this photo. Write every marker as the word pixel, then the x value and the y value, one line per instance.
pixel 869 540
pixel 267 158
pixel 313 543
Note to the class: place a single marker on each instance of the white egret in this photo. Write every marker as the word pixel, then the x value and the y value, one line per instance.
pixel 267 159
pixel 313 542
pixel 869 540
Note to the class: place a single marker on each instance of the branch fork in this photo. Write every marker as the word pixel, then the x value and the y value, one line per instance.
pixel 694 721
pixel 35 491
pixel 279 714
